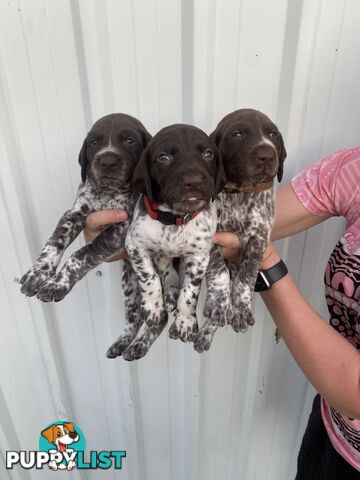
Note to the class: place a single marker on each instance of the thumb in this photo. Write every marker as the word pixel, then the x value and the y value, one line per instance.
pixel 226 240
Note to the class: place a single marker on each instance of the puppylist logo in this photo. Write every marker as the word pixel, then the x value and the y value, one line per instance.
pixel 62 447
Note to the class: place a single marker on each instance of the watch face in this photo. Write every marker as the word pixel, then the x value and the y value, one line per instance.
pixel 262 283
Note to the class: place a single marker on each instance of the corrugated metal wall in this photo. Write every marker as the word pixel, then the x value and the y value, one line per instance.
pixel 238 411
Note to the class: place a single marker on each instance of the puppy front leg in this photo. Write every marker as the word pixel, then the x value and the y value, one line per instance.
pixel 110 241
pixel 185 325
pixel 67 229
pixel 244 281
pixel 146 336
pixel 152 305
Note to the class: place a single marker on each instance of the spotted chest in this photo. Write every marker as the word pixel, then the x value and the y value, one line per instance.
pixel 92 199
pixel 245 212
pixel 173 241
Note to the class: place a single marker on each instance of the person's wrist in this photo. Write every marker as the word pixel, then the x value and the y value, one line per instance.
pixel 271 258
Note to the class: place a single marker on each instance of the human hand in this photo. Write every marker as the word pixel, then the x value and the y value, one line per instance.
pixel 231 249
pixel 97 221
pixel 229 243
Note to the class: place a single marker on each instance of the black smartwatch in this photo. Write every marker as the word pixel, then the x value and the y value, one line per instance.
pixel 266 278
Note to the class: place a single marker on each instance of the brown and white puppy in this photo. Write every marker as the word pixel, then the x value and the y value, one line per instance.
pixel 179 174
pixel 61 436
pixel 253 154
pixel 108 158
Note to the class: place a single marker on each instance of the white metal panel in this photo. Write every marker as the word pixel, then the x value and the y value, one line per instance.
pixel 238 411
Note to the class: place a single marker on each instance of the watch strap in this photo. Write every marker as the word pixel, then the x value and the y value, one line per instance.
pixel 266 278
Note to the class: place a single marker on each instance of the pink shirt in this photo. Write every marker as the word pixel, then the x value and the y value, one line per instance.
pixel 331 187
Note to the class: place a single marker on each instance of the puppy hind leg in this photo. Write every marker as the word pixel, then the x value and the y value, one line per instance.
pixel 141 344
pixel 169 279
pixel 132 299
pixel 243 284
pixel 185 326
pixel 204 337
pixel 218 308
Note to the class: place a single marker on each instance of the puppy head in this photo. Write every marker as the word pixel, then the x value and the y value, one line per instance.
pixel 252 147
pixel 112 149
pixel 181 167
pixel 61 435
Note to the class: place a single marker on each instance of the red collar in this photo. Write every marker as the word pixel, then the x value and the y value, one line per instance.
pixel 167 218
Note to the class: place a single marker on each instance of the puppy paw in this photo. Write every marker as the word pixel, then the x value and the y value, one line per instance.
pixel 154 315
pixel 136 350
pixel 218 310
pixel 184 327
pixel 34 278
pixel 204 338
pixel 119 346
pixel 54 289
pixel 242 319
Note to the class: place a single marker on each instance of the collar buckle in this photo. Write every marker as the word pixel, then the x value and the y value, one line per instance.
pixel 187 217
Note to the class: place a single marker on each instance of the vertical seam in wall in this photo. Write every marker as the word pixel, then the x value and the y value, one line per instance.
pixel 288 63
pixel 332 81
pixel 53 64
pixel 81 61
pixel 187 58
pixel 136 68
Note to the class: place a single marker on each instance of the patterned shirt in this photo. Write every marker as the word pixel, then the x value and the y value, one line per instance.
pixel 331 187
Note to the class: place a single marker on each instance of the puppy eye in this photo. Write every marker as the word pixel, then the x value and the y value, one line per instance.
pixel 237 134
pixel 164 157
pixel 273 134
pixel 59 434
pixel 93 142
pixel 66 431
pixel 129 141
pixel 208 154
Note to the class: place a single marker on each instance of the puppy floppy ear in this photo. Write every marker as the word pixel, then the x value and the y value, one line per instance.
pixel 50 433
pixel 69 426
pixel 220 178
pixel 282 156
pixel 215 135
pixel 83 160
pixel 146 137
pixel 141 178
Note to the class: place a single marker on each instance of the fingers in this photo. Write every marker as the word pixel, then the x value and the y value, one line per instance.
pixel 97 220
pixel 226 240
pixel 230 244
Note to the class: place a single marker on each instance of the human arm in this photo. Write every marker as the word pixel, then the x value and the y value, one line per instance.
pixel 291 217
pixel 331 363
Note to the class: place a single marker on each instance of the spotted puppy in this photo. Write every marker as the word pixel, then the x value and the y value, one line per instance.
pixel 108 158
pixel 178 174
pixel 253 154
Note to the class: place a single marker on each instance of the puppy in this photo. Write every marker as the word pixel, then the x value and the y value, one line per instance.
pixel 179 173
pixel 108 158
pixel 253 153
pixel 61 436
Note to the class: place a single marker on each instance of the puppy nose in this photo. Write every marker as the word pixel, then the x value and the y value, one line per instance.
pixel 265 153
pixel 192 181
pixel 73 435
pixel 107 161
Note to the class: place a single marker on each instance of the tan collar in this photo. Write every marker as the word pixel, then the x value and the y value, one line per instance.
pixel 234 188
